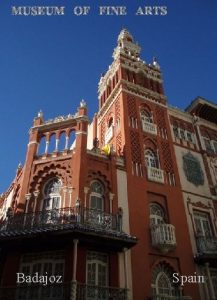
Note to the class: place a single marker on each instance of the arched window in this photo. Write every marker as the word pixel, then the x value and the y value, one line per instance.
pixel 146 117
pixel 52 194
pixel 157 215
pixel 96 196
pixel 97 272
pixel 151 159
pixel 162 284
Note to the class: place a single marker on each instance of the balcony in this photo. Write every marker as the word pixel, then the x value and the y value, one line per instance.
pixel 156 175
pixel 206 246
pixel 87 222
pixel 63 291
pixel 37 292
pixel 163 237
pixel 91 292
pixel 149 127
pixel 164 297
pixel 109 134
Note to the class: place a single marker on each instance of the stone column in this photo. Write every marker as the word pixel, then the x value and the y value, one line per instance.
pixel 111 196
pixel 47 144
pixel 27 197
pixel 86 190
pixel 56 145
pixel 70 196
pixel 125 268
pixel 67 143
pixel 74 281
pixel 210 284
pixel 35 193
pixel 65 190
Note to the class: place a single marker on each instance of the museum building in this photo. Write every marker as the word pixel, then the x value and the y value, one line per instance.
pixel 111 209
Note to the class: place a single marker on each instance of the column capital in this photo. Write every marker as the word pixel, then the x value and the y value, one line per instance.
pixel 75 241
pixel 70 189
pixel 27 196
pixel 86 189
pixel 65 189
pixel 111 196
pixel 36 193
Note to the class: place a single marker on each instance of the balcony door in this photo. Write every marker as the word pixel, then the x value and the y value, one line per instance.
pixel 97 276
pixel 157 215
pixel 52 194
pixel 95 213
pixel 42 264
pixel 51 201
pixel 151 159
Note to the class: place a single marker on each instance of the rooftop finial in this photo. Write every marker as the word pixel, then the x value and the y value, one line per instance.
pixel 125 35
pixel 40 114
pixel 155 63
pixel 126 44
pixel 83 103
pixel 19 166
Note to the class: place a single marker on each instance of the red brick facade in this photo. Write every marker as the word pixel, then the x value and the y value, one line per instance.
pixel 116 219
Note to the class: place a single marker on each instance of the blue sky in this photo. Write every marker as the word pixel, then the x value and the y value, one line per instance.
pixel 50 63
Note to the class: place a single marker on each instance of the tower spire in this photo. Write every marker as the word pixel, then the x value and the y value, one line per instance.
pixel 126 45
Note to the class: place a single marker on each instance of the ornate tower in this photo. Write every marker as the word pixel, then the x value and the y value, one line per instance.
pixel 133 119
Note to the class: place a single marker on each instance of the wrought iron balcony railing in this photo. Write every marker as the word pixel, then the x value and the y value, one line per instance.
pixel 163 237
pixel 92 292
pixel 165 297
pixel 63 291
pixel 63 217
pixel 36 292
pixel 206 245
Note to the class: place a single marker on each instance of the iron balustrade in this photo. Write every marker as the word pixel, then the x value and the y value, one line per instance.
pixel 63 291
pixel 87 217
pixel 93 292
pixel 167 297
pixel 206 244
pixel 36 292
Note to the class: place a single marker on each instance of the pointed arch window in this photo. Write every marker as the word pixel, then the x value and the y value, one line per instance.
pixel 151 159
pixel 97 195
pixel 146 116
pixel 52 195
pixel 163 286
pixel 147 122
